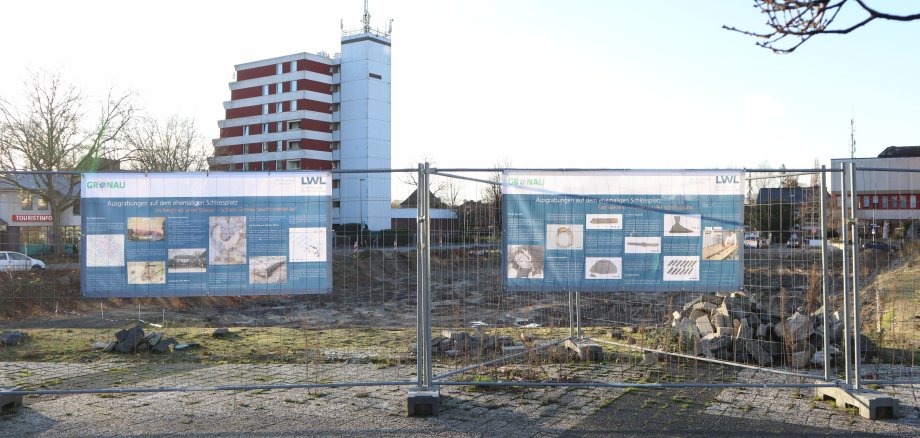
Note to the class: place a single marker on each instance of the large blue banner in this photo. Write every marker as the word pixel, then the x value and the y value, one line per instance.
pixel 194 234
pixel 622 231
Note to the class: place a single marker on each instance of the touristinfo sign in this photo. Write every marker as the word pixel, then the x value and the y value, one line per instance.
pixel 653 231
pixel 196 234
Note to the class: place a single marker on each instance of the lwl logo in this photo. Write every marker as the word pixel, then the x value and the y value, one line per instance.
pixel 313 180
pixel 726 179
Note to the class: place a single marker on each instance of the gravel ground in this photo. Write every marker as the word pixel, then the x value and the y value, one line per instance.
pixel 465 411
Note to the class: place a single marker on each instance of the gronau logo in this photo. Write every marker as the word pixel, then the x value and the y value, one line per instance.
pixel 525 181
pixel 105 184
pixel 313 180
pixel 726 179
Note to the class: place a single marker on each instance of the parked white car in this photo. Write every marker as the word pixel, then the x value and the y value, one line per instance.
pixel 14 261
pixel 753 240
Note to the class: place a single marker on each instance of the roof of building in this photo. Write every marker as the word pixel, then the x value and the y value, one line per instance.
pixel 788 195
pixel 900 151
pixel 433 201
pixel 35 182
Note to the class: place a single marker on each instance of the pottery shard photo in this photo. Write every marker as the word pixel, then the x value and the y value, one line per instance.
pixel 565 236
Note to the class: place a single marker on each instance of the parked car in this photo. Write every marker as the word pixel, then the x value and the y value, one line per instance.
pixel 880 246
pixel 794 242
pixel 753 240
pixel 14 261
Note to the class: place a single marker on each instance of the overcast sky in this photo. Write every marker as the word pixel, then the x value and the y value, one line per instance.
pixel 644 84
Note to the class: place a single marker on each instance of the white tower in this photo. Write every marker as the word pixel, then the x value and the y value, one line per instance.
pixel 365 126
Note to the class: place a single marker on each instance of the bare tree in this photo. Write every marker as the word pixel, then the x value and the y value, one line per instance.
pixel 171 146
pixel 450 192
pixel 793 22
pixel 52 132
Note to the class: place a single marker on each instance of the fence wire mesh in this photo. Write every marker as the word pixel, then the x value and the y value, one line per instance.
pixel 769 333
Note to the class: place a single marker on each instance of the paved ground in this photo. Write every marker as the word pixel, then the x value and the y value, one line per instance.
pixel 532 412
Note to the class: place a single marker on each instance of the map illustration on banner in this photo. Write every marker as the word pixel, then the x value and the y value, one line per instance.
pixel 194 234
pixel 652 231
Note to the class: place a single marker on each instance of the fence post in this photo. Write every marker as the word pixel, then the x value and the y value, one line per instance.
pixel 844 235
pixel 578 317
pixel 423 399
pixel 857 327
pixel 571 316
pixel 824 301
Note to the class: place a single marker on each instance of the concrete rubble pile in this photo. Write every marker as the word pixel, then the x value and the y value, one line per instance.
pixel 733 326
pixel 134 340
pixel 453 343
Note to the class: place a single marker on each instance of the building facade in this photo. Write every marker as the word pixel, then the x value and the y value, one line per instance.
pixel 887 199
pixel 317 112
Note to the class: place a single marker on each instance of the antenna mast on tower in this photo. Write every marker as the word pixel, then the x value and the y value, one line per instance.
pixel 852 136
pixel 366 19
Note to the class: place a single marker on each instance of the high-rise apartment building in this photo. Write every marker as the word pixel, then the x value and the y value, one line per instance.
pixel 317 112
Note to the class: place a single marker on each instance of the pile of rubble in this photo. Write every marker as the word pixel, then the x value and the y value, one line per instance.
pixel 453 343
pixel 732 326
pixel 134 340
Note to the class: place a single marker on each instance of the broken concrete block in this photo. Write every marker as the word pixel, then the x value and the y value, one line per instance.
pixel 801 359
pixel 586 351
pixel 11 338
pixel 100 345
pixel 704 326
pixel 511 349
pixel 220 332
pixel 649 358
pixel 798 327
pixel 713 342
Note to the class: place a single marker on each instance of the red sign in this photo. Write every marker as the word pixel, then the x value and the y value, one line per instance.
pixel 31 218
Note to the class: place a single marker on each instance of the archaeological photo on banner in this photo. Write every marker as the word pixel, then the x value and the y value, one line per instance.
pixel 622 231
pixel 195 234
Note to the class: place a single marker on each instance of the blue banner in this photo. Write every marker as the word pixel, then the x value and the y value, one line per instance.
pixel 616 231
pixel 180 235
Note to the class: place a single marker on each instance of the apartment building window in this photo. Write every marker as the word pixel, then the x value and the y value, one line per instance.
pixel 884 202
pixel 265 128
pixel 279 68
pixel 865 201
pixel 279 88
pixel 336 164
pixel 278 145
pixel 334 126
pixel 265 166
pixel 293 164
pixel 246 130
pixel 264 109
pixel 913 201
pixel 293 105
pixel 293 85
pixel 42 203
pixel 25 202
pixel 245 148
pixel 279 126
pixel 279 107
pixel 903 201
pixel 293 65
pixel 336 204
pixel 335 183
pixel 294 145
pixel 334 145
pixel 334 88
pixel 875 201
pixel 334 107
pixel 278 165
pixel 264 147
pixel 334 69
pixel 265 90
pixel 293 125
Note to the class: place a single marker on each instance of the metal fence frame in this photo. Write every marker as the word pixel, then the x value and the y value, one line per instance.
pixel 426 378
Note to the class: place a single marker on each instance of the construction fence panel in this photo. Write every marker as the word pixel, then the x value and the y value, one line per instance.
pixel 767 330
pixel 164 335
